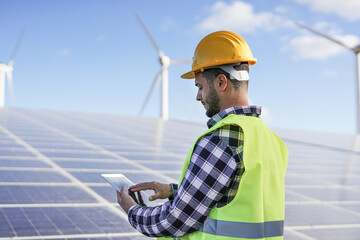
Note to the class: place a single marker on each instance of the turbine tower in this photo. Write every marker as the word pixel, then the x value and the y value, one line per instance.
pixel 163 75
pixel 6 74
pixel 356 51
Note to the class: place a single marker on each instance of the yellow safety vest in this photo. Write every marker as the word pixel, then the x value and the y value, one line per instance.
pixel 257 211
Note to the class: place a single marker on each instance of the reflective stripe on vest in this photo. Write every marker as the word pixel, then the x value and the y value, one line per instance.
pixel 243 229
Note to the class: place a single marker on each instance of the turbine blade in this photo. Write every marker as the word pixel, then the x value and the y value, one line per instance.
pixel 10 86
pixel 11 60
pixel 323 35
pixel 161 54
pixel 181 62
pixel 155 83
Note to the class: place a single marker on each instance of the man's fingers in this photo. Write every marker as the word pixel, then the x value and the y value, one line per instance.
pixel 124 200
pixel 123 190
pixel 118 194
pixel 143 186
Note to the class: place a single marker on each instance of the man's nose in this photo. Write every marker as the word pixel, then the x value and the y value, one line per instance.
pixel 198 97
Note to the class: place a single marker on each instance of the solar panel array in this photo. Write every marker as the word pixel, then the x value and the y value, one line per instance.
pixel 51 188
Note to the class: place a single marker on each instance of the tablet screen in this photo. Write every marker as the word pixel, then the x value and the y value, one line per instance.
pixel 119 180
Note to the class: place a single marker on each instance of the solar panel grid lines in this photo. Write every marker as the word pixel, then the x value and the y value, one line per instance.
pixel 295 235
pixel 62 171
pixel 323 141
pixel 142 127
pixel 16 175
pixel 23 163
pixel 311 175
pixel 101 150
pixel 334 206
pixel 318 202
pixel 327 167
pixel 120 135
pixel 316 177
pixel 65 223
pixel 331 194
pixel 322 181
pixel 27 169
pixel 104 170
pixel 326 226
pixel 44 194
pixel 324 186
pixel 96 160
pixel 51 184
pixel 53 205
pixel 108 236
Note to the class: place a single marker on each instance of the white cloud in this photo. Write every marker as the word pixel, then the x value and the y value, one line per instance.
pixel 310 46
pixel 330 28
pixel 348 9
pixel 239 16
pixel 314 47
pixel 63 52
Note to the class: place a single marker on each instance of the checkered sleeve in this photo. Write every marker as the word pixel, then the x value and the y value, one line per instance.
pixel 209 174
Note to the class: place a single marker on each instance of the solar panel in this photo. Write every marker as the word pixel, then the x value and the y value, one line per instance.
pixel 51 188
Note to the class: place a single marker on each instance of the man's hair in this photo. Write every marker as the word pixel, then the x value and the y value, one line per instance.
pixel 212 73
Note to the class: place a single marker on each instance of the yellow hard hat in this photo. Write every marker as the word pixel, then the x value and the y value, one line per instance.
pixel 219 48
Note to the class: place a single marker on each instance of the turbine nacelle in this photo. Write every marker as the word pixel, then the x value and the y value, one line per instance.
pixel 6 68
pixel 165 61
pixel 6 75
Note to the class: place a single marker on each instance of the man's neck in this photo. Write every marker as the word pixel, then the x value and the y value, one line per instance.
pixel 234 103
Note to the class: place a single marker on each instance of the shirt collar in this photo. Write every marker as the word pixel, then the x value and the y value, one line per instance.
pixel 253 111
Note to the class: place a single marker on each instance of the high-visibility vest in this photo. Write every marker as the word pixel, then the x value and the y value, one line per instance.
pixel 257 211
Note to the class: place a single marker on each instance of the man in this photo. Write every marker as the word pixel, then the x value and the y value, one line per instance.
pixel 232 182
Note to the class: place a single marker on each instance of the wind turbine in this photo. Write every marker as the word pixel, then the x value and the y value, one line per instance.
pixel 163 75
pixel 6 74
pixel 356 51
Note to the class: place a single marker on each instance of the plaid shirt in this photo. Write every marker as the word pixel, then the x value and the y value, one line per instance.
pixel 211 180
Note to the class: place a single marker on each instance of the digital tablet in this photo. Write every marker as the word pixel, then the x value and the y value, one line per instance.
pixel 119 180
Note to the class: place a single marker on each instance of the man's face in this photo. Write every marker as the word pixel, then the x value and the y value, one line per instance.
pixel 207 95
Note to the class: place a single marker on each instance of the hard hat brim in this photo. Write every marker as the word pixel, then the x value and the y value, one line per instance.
pixel 188 75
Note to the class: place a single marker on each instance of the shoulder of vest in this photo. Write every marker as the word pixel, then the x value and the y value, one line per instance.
pixel 234 119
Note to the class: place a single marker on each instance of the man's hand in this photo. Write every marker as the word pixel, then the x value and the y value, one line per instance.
pixel 125 200
pixel 162 190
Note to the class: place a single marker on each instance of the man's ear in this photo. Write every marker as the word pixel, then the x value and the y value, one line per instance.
pixel 221 82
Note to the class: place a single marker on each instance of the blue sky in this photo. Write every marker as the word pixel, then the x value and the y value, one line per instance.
pixel 93 56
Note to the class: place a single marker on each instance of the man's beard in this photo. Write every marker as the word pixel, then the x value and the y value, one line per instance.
pixel 213 102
